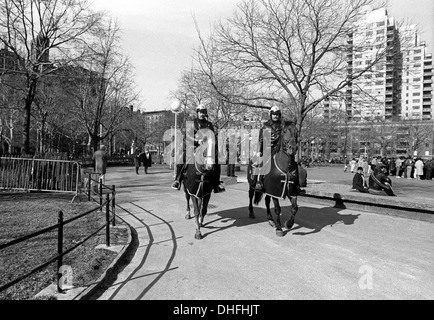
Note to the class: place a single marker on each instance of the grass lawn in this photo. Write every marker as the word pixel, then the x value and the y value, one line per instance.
pixel 25 213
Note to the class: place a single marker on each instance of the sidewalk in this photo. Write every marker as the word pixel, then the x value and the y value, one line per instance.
pixel 237 256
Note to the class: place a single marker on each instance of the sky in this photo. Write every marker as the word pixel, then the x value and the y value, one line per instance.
pixel 159 37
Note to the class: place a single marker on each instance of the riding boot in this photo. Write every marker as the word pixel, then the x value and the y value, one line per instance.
pixel 219 185
pixel 179 176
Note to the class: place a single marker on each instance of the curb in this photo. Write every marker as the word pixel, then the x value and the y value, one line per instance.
pixel 87 293
pixel 402 208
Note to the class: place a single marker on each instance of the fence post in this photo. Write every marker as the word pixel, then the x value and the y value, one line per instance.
pixel 100 194
pixel 114 205
pixel 107 221
pixel 59 250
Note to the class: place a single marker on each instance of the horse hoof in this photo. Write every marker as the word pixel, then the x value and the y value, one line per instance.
pixel 290 222
pixel 271 222
pixel 187 216
pixel 251 215
pixel 198 235
pixel 279 232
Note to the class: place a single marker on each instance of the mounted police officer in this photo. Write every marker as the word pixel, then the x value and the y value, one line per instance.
pixel 200 122
pixel 275 126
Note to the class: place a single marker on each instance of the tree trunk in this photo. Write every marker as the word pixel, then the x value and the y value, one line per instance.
pixel 27 114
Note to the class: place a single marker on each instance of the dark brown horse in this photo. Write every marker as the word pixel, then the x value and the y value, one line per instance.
pixel 280 180
pixel 199 181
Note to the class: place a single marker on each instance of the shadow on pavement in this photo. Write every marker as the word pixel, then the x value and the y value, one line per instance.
pixel 309 218
pixel 316 219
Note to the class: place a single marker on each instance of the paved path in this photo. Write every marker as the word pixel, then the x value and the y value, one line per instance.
pixel 330 253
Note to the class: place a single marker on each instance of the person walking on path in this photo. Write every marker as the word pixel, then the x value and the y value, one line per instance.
pixel 418 167
pixel 398 165
pixel 359 181
pixel 302 174
pixel 100 158
pixel 137 156
pixel 429 166
pixel 353 164
pixel 146 159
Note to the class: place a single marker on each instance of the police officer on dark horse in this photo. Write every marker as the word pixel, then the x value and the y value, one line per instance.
pixel 275 171
pixel 198 175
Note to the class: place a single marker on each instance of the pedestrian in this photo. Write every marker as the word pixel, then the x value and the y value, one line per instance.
pixel 353 164
pixel 146 159
pixel 398 164
pixel 429 166
pixel 100 158
pixel 230 154
pixel 302 174
pixel 374 163
pixel 200 122
pixel 137 156
pixel 418 165
pixel 365 166
pixel 359 181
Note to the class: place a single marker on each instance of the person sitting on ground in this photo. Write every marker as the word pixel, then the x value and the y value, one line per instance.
pixel 359 181
pixel 378 180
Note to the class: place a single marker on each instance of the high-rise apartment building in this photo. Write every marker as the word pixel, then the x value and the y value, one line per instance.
pixel 399 85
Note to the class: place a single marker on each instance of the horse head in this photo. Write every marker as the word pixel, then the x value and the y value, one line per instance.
pixel 205 155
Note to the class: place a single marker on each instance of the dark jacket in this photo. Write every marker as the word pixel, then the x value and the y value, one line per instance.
pixel 146 160
pixel 358 182
pixel 276 132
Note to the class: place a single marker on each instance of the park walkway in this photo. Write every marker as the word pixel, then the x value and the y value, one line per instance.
pixel 240 258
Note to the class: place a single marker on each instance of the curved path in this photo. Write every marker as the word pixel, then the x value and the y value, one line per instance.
pixel 330 253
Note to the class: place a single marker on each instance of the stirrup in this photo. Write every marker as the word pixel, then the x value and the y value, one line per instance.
pixel 258 186
pixel 176 185
pixel 220 188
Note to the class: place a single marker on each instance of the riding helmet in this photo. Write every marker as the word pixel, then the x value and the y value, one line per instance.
pixel 201 108
pixel 275 110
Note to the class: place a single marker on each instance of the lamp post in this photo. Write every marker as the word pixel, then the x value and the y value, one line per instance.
pixel 176 107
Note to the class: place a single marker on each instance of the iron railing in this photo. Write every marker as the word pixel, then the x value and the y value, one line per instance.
pixel 59 226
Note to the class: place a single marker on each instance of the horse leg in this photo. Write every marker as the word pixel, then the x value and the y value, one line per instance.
pixel 187 197
pixel 251 194
pixel 204 208
pixel 277 212
pixel 269 216
pixel 294 208
pixel 196 206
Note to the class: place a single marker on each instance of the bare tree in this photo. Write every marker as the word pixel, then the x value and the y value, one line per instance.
pixel 46 34
pixel 102 86
pixel 288 52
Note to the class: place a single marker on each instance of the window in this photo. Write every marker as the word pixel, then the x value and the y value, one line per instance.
pixel 416 93
pixel 380 24
pixel 416 100
pixel 417 58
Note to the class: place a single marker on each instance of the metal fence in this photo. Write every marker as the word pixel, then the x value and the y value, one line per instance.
pixel 110 216
pixel 27 174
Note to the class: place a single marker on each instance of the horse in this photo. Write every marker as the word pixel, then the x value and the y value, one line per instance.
pixel 280 182
pixel 198 182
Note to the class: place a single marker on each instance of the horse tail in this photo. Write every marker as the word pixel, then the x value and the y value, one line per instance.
pixel 258 197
